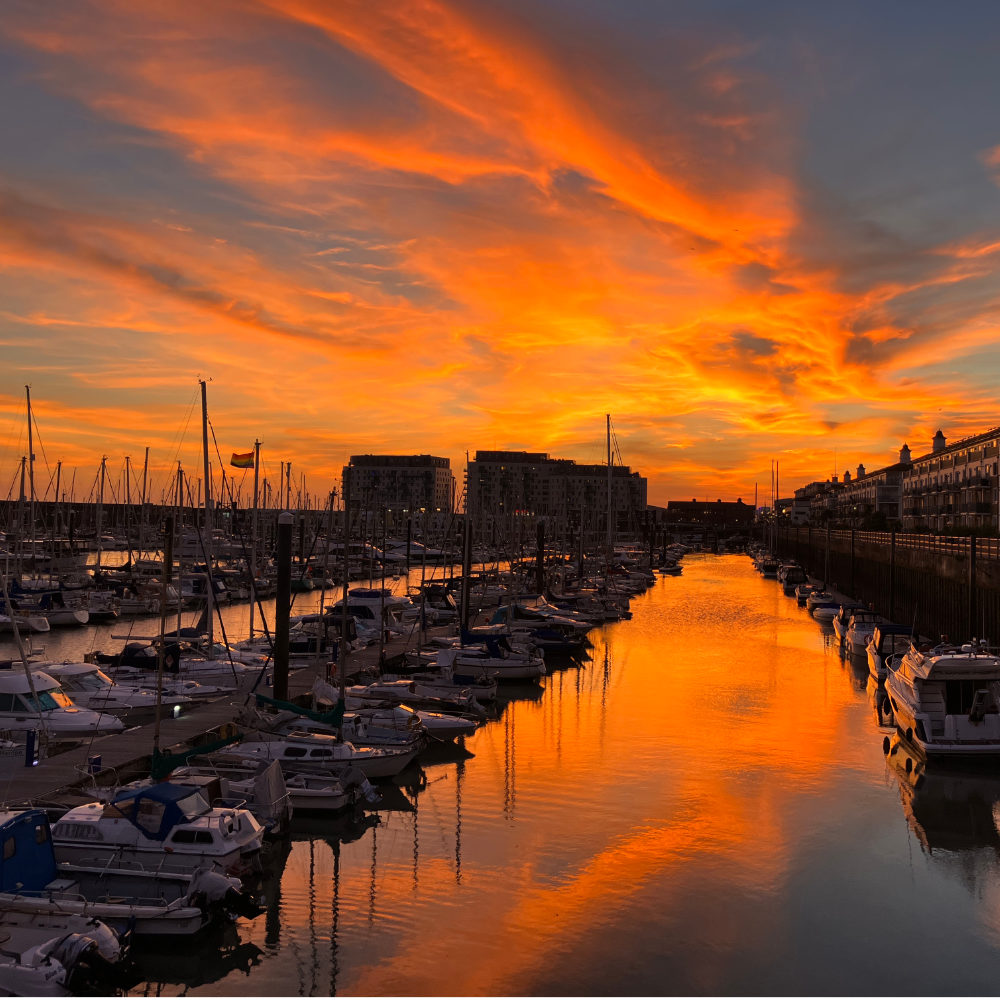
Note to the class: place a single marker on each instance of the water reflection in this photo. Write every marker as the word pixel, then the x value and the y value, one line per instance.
pixel 702 807
pixel 948 810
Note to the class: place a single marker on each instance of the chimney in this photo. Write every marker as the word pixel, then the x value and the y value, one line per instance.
pixel 904 455
pixel 847 475
pixel 938 443
pixel 834 480
pixel 861 471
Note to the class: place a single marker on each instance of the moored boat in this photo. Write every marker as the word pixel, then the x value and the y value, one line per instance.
pixel 946 700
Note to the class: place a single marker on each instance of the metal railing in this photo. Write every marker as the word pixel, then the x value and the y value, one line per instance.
pixel 986 548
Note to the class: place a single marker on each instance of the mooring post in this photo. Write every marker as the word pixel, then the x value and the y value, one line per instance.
pixel 892 576
pixel 972 588
pixel 283 604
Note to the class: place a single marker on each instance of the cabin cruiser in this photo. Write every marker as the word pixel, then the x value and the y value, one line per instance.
pixel 946 700
pixel 90 687
pixel 862 626
pixel 127 899
pixel 163 825
pixel 47 708
pixel 802 592
pixel 887 643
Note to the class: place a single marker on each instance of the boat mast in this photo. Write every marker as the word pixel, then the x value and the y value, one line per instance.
pixel 100 509
pixel 253 533
pixel 179 535
pixel 610 543
pixel 209 595
pixel 31 482
pixel 143 514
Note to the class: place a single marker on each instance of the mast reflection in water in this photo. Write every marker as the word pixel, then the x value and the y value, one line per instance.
pixel 703 807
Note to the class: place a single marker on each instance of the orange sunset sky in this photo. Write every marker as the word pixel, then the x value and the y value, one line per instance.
pixel 749 231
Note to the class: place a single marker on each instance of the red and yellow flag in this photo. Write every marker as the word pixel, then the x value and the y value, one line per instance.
pixel 242 460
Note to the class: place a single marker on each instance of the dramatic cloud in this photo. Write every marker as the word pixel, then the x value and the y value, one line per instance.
pixel 428 226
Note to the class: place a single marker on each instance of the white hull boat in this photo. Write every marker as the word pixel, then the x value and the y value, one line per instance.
pixel 946 701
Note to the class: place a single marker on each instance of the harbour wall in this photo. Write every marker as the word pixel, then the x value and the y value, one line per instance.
pixel 942 585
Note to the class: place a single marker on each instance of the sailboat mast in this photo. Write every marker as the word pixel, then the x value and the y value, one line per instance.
pixel 610 544
pixel 142 516
pixel 209 595
pixel 31 480
pixel 253 533
pixel 100 509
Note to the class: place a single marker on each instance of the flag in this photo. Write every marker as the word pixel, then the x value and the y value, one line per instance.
pixel 242 461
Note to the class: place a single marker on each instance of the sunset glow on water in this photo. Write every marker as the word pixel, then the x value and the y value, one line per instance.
pixel 703 808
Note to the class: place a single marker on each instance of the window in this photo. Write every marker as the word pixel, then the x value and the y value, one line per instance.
pixel 9 848
pixel 191 837
pixel 958 696
pixel 295 751
pixel 8 703
pixel 320 753
pixel 41 834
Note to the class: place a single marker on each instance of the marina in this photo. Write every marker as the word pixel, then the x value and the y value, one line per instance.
pixel 663 815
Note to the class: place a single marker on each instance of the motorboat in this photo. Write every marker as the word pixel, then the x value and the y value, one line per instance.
pixel 802 592
pixel 862 626
pixel 160 826
pixel 90 687
pixel 946 700
pixel 823 606
pixel 494 658
pixel 127 899
pixel 298 751
pixel 842 620
pixel 790 575
pixel 57 954
pixel 260 789
pixel 308 794
pixel 39 703
pixel 139 663
pixel 886 643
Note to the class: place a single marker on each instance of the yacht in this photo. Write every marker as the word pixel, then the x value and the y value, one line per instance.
pixel 47 708
pixel 90 687
pixel 946 700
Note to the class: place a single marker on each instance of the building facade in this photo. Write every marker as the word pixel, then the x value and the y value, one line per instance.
pixel 954 487
pixel 400 482
pixel 502 483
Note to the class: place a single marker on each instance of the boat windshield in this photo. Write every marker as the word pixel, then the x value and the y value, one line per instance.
pixel 47 701
pixel 193 805
pixel 96 681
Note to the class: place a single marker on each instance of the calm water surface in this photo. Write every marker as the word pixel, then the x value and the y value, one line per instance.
pixel 703 808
